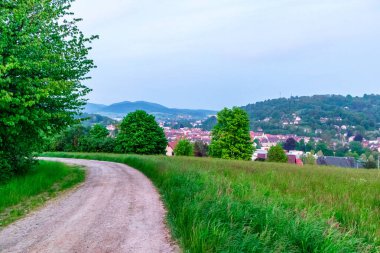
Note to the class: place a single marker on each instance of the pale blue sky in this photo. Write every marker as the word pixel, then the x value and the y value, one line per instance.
pixel 216 53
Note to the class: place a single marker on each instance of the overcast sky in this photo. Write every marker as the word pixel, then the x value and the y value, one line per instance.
pixel 216 53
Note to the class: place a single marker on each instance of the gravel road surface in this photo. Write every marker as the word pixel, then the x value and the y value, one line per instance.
pixel 117 209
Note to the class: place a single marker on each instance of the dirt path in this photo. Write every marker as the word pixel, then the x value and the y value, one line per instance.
pixel 116 210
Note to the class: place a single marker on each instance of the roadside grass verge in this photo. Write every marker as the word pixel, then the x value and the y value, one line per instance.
pixel 22 194
pixel 232 206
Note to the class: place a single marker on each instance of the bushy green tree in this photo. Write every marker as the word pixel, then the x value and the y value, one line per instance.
pixel 184 148
pixel 230 136
pixel 43 61
pixel 277 154
pixel 301 145
pixel 356 147
pixel 322 146
pixel 97 140
pixel 98 131
pixel 140 134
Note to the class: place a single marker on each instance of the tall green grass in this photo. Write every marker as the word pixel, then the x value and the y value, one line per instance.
pixel 21 194
pixel 233 206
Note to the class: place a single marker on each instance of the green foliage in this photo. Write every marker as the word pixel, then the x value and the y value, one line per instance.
pixel 209 123
pixel 257 142
pixel 140 134
pixel 200 149
pixel 43 60
pixel 23 193
pixel 356 147
pixel 230 136
pixel 236 206
pixel 184 148
pixel 322 146
pixel 84 139
pixel 69 140
pixel 309 159
pixel 277 154
pixel 370 163
pixel 98 132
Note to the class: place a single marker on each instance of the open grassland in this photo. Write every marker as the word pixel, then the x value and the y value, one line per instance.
pixel 231 206
pixel 21 194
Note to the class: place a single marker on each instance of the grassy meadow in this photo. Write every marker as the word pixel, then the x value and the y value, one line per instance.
pixel 24 193
pixel 233 206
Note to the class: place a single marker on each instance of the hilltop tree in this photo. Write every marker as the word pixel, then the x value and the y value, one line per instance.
pixel 43 60
pixel 140 134
pixel 277 154
pixel 230 136
pixel 184 148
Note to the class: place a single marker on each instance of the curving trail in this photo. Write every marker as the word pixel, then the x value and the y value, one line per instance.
pixel 117 209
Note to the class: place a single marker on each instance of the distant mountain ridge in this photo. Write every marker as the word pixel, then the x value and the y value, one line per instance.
pixel 118 110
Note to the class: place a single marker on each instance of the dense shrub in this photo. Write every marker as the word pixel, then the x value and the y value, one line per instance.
pixel 277 154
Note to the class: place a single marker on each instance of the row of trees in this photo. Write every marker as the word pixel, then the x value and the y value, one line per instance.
pixel 138 133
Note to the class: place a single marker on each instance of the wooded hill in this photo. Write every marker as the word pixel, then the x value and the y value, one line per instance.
pixel 317 115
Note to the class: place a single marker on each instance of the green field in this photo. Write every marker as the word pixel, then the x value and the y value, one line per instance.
pixel 24 193
pixel 233 206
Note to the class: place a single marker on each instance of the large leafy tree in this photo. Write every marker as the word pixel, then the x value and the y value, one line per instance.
pixel 230 136
pixel 140 134
pixel 184 148
pixel 43 61
pixel 290 144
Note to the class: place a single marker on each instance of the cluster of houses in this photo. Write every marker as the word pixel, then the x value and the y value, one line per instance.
pixel 192 134
pixel 266 142
pixel 372 144
pixel 270 140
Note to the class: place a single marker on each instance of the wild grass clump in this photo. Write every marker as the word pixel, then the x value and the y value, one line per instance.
pixel 23 193
pixel 233 206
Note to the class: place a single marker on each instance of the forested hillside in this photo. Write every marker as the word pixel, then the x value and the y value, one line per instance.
pixel 324 115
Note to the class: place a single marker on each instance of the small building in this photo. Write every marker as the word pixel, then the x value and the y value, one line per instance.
pixel 344 162
pixel 170 148
pixel 260 154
